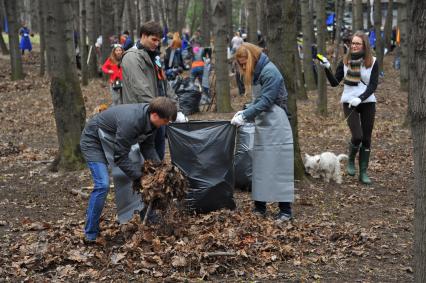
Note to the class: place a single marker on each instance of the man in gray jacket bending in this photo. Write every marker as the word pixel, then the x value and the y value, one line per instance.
pixel 129 124
pixel 144 78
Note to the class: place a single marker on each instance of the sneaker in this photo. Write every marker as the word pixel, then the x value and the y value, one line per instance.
pixel 283 217
pixel 259 212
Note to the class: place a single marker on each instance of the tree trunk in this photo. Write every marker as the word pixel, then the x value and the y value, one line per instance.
pixel 229 20
pixel 107 30
pixel 404 29
pixel 223 98
pixel 182 12
pixel 280 17
pixel 3 46
pixel 146 11
pixel 377 28
pixel 322 87
pixel 307 27
pixel 357 15
pixel 251 22
pixel 242 16
pixel 417 110
pixel 161 12
pixel 340 9
pixel 92 35
pixel 156 13
pixel 68 103
pixel 131 20
pixel 83 44
pixel 370 21
pixel 139 16
pixel 173 16
pixel 118 16
pixel 300 81
pixel 42 26
pixel 206 23
pixel 15 52
pixel 388 26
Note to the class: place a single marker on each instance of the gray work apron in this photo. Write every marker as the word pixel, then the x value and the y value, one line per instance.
pixel 273 160
pixel 126 200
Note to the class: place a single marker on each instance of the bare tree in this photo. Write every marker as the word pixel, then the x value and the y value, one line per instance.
pixel 417 110
pixel 173 14
pixel 340 9
pixel 388 26
pixel 242 15
pixel 83 44
pixel 321 31
pixel 229 19
pixel 281 36
pixel 146 11
pixel 223 98
pixel 118 15
pixel 68 103
pixel 357 15
pixel 307 27
pixel 378 31
pixel 155 12
pixel 182 12
pixel 92 36
pixel 206 23
pixel 3 46
pixel 251 22
pixel 15 53
pixel 403 8
pixel 107 30
pixel 42 32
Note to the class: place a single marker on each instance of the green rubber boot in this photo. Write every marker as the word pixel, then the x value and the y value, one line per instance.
pixel 364 157
pixel 353 150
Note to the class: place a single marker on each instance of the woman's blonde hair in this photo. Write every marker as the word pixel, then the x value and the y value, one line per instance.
pixel 368 56
pixel 251 53
pixel 176 42
pixel 112 56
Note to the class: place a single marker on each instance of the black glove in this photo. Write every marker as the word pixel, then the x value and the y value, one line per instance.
pixel 137 185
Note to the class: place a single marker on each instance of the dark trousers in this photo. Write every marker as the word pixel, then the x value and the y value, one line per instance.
pixel 284 206
pixel 360 122
pixel 160 142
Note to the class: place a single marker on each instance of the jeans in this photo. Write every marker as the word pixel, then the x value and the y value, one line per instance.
pixel 160 142
pixel 197 73
pixel 97 198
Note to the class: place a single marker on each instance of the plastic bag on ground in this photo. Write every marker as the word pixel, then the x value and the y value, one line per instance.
pixel 243 156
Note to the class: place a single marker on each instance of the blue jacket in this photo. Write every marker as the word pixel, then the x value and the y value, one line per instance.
pixel 272 92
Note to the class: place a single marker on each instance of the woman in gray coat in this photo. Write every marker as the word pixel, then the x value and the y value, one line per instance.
pixel 273 168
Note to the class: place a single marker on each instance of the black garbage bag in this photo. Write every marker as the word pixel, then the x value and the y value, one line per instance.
pixel 189 95
pixel 243 156
pixel 204 151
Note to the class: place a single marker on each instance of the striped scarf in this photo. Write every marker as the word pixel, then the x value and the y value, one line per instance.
pixel 353 75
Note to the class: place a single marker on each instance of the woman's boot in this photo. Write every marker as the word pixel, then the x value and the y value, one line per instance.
pixel 353 150
pixel 364 157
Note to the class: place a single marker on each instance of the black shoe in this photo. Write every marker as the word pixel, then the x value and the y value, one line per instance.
pixel 283 217
pixel 89 241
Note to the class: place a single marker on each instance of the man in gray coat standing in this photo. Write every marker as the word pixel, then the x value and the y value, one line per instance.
pixel 128 125
pixel 143 75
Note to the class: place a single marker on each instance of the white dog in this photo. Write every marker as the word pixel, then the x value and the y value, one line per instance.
pixel 325 165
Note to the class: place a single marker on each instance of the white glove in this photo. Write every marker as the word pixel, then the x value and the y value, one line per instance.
pixel 324 62
pixel 354 102
pixel 181 118
pixel 238 119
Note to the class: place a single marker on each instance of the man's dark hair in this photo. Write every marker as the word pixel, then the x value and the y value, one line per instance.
pixel 151 28
pixel 126 32
pixel 164 107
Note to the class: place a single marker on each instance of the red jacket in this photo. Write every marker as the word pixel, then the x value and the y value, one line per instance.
pixel 118 74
